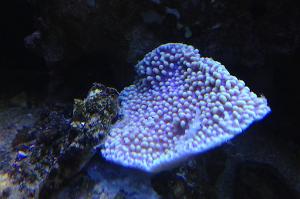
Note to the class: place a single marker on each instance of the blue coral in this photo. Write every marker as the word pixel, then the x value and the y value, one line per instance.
pixel 180 105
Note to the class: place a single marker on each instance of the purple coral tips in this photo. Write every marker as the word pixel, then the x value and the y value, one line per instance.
pixel 181 104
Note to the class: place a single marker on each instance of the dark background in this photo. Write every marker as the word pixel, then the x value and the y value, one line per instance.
pixel 52 51
pixel 81 43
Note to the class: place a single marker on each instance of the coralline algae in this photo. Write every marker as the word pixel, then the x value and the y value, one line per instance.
pixel 181 104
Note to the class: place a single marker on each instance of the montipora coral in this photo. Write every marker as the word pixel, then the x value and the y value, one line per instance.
pixel 181 104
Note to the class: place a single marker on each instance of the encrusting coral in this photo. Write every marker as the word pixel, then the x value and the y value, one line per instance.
pixel 181 104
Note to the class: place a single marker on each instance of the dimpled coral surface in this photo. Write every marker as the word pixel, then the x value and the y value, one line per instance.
pixel 181 104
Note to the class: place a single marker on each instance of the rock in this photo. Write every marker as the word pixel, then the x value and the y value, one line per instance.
pixel 247 167
pixel 49 152
pixel 103 179
pixel 12 120
pixel 254 180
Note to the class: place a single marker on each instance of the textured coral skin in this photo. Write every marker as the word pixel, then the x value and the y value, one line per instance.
pixel 181 104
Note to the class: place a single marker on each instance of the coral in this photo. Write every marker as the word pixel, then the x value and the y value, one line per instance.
pixel 181 104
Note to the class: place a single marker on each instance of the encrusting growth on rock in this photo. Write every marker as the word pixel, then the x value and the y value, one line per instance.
pixel 51 152
pixel 181 104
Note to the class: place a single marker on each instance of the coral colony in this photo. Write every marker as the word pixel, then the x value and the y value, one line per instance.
pixel 181 104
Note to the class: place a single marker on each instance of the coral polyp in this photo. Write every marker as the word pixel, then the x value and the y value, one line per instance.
pixel 181 104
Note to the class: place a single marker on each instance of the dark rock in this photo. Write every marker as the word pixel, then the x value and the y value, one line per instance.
pixel 254 180
pixel 197 178
pixel 50 152
pixel 247 167
pixel 101 179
